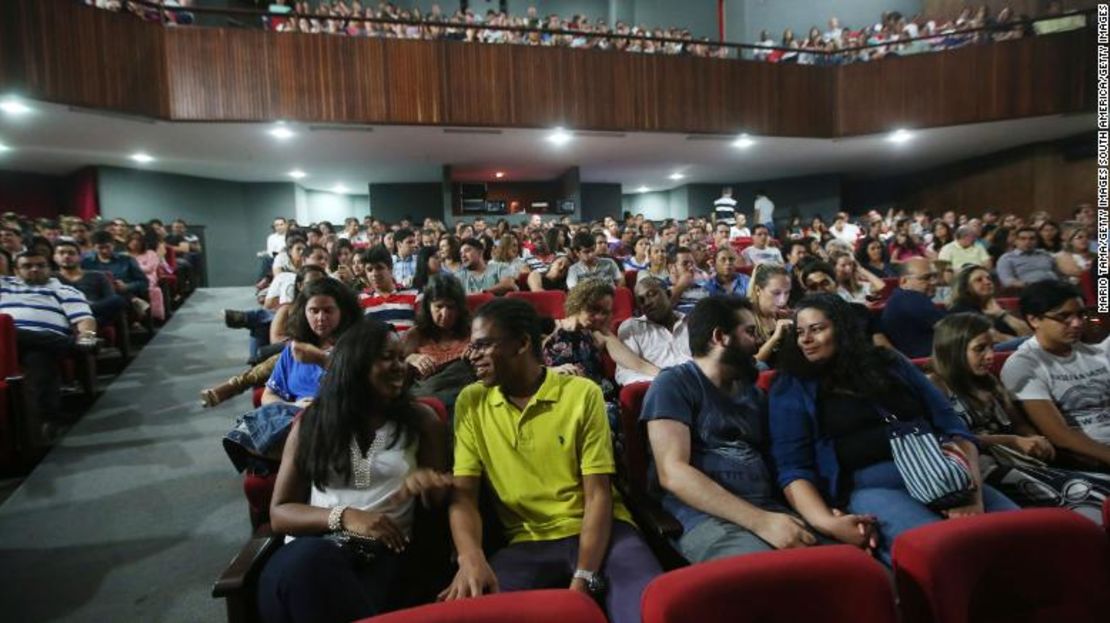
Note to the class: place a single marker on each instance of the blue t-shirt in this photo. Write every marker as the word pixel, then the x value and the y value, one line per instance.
pixel 293 380
pixel 738 286
pixel 908 320
pixel 727 436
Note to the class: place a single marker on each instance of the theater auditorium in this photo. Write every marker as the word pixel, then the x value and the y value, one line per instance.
pixel 554 311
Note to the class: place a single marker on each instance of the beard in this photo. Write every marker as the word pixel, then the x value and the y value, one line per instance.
pixel 742 361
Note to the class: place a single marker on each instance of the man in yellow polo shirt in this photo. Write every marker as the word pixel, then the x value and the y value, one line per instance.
pixel 965 249
pixel 542 442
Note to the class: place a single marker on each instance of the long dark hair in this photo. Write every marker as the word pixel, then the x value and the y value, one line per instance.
pixel 442 287
pixel 421 277
pixel 344 298
pixel 344 404
pixel 953 334
pixel 961 292
pixel 857 367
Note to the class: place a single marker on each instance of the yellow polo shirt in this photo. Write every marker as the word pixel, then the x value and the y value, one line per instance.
pixel 535 459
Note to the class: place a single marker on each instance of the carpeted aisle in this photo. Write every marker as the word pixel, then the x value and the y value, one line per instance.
pixel 132 516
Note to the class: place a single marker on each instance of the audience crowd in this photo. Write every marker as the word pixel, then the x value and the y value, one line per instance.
pixel 526 332
pixel 893 34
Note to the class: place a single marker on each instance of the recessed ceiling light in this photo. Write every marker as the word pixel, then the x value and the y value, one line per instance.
pixel 900 136
pixel 677 176
pixel 4 148
pixel 743 142
pixel 642 189
pixel 281 133
pixel 559 136
pixel 297 174
pixel 340 188
pixel 14 107
pixel 499 174
pixel 142 158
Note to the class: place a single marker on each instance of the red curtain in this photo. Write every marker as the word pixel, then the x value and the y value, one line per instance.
pixel 82 201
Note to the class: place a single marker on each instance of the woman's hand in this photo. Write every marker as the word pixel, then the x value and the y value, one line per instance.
pixel 375 526
pixel 857 530
pixel 307 353
pixel 423 482
pixel 992 308
pixel 304 402
pixel 570 369
pixel 783 531
pixel 1035 446
pixel 782 325
pixel 969 510
pixel 424 364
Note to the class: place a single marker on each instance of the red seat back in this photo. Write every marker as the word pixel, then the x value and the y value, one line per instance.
pixel 522 280
pixel 9 352
pixel 550 303
pixel 999 361
pixel 1009 303
pixel 740 243
pixel 766 378
pixel 546 606
pixel 474 301
pixel 1041 565
pixel 630 279
pixel 1087 286
pixel 831 584
pixel 889 285
pixel 171 257
pixel 635 454
pixel 624 304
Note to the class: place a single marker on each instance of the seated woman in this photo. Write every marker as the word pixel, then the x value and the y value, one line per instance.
pixel 769 293
pixel 872 257
pixel 321 313
pixel 658 265
pixel 354 465
pixel 856 284
pixel 553 277
pixel 828 412
pixel 427 266
pixel 341 266
pixel 1076 257
pixel 640 257
pixel 1015 458
pixel 449 249
pixel 974 292
pixel 507 254
pixel 576 344
pixel 140 247
pixel 905 248
pixel 435 345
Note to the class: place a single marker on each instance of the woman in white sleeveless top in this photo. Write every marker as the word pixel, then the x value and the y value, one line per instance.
pixel 353 466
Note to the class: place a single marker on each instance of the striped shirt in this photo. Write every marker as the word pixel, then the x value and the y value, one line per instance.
pixel 396 308
pixel 50 307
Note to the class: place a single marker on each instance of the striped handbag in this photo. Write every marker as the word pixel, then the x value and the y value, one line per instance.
pixel 937 475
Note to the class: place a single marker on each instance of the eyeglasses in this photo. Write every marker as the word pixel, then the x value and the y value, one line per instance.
pixel 1067 317
pixel 484 344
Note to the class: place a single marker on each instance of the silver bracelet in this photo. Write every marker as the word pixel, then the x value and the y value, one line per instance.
pixel 335 518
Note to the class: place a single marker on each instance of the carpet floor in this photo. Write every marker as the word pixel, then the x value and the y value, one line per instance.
pixel 135 512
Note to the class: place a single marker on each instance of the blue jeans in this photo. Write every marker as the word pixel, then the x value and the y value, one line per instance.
pixel 258 322
pixel 1010 345
pixel 878 490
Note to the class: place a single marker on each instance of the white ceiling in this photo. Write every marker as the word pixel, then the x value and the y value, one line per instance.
pixel 58 139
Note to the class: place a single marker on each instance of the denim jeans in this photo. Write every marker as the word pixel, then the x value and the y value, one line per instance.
pixel 258 322
pixel 1010 345
pixel 879 490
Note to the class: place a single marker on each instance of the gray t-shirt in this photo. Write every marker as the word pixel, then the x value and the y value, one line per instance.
pixel 474 282
pixel 727 436
pixel 605 269
pixel 1078 384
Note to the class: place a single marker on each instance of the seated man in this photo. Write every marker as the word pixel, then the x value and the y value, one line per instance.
pixel 589 265
pixel 965 250
pixel 47 314
pixel 127 278
pixel 280 291
pixel 541 441
pixel 383 299
pixel 97 287
pixel 1064 384
pixel 910 314
pixel 725 279
pixel 687 282
pixel 658 337
pixel 761 249
pixel 706 422
pixel 1026 264
pixel 478 276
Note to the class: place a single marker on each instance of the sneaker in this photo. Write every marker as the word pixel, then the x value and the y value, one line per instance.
pixel 235 319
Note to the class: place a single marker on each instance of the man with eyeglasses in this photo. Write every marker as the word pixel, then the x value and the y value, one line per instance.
pixel 1026 263
pixel 1064 384
pixel 910 314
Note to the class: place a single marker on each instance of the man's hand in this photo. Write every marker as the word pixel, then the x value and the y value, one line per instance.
pixel 423 482
pixel 578 584
pixel 970 510
pixel 858 530
pixel 783 531
pixel 474 578
pixel 119 286
pixel 1035 446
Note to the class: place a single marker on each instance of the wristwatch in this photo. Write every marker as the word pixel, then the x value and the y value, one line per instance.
pixel 595 582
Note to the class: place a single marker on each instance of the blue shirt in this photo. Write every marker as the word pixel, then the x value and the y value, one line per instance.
pixel 292 379
pixel 738 287
pixel 908 320
pixel 801 452
pixel 122 267
pixel 727 435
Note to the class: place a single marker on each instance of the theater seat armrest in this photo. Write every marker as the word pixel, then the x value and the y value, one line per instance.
pixel 248 562
pixel 650 516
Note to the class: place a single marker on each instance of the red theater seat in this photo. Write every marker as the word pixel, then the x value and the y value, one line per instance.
pixel 474 301
pixel 1044 565
pixel 546 606
pixel 765 379
pixel 635 454
pixel 830 584
pixel 624 305
pixel 550 303
pixel 999 361
pixel 630 279
pixel 1009 303
pixel 522 281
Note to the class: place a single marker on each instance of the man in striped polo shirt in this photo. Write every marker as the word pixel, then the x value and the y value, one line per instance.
pixel 383 300
pixel 48 317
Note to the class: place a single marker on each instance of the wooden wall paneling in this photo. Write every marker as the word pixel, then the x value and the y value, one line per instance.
pixel 806 102
pixel 541 92
pixel 412 75
pixel 753 97
pixel 674 88
pixel 597 91
pixel 217 73
pixel 478 83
